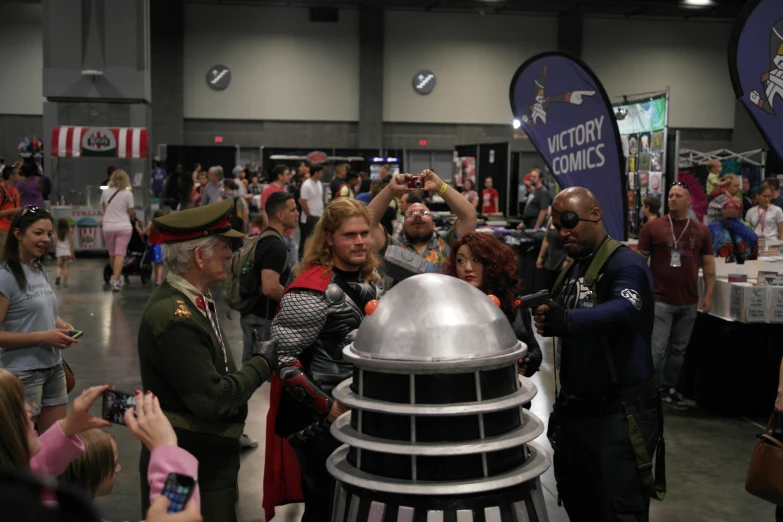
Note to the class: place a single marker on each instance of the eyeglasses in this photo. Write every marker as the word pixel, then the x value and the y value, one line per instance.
pixel 414 213
pixel 681 185
pixel 570 219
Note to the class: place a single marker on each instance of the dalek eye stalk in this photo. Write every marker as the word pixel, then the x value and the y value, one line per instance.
pixel 437 431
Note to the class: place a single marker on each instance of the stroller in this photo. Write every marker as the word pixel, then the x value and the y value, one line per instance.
pixel 137 263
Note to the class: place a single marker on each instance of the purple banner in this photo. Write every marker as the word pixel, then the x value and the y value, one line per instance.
pixel 565 112
pixel 756 66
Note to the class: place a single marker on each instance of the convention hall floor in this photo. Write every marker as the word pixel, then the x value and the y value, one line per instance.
pixel 707 456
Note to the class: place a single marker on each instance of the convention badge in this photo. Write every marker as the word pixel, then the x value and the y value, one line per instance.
pixel 675 260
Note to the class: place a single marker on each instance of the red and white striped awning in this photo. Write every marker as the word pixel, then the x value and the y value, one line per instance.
pixel 117 142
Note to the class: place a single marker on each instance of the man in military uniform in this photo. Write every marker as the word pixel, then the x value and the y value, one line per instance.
pixel 336 278
pixel 607 421
pixel 186 362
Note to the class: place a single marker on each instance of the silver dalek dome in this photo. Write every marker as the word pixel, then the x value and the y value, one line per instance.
pixel 437 429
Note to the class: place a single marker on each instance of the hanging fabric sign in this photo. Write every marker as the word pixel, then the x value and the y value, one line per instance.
pixel 565 112
pixel 756 66
pixel 115 142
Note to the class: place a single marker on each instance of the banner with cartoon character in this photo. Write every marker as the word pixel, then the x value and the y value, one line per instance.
pixel 756 66
pixel 565 112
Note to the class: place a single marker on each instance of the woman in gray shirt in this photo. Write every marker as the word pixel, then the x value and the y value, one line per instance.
pixel 31 333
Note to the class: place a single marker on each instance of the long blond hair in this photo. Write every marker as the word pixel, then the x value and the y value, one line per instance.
pixel 317 251
pixel 14 449
pixel 119 180
pixel 96 464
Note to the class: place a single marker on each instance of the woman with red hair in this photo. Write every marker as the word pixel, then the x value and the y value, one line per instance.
pixel 491 266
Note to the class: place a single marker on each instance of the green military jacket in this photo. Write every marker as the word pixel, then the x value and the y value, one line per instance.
pixel 183 364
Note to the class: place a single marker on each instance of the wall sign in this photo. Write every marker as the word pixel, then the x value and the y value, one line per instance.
pixel 424 82
pixel 218 77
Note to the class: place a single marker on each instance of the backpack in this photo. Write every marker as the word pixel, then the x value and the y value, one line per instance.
pixel 242 287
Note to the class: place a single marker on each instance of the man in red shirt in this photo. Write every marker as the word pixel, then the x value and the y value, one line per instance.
pixel 281 175
pixel 9 204
pixel 489 198
pixel 676 246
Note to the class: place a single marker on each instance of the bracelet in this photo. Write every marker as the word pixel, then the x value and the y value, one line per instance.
pixel 443 188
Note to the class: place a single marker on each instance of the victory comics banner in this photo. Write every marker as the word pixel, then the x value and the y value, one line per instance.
pixel 565 111
pixel 756 66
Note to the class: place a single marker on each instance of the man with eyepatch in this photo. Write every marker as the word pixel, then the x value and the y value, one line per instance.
pixel 418 226
pixel 607 423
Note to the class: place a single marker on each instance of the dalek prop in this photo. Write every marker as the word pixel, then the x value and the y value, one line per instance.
pixel 437 431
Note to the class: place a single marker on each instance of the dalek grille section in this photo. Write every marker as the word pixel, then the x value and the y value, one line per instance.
pixel 437 427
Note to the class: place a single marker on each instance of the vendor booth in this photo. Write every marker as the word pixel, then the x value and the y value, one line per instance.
pixel 644 132
pixel 80 158
pixel 733 359
pixel 360 160
pixel 481 161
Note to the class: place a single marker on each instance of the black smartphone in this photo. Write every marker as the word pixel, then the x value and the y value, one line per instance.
pixel 115 404
pixel 178 489
pixel 75 334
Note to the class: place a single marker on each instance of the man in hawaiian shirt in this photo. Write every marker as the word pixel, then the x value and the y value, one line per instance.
pixel 418 228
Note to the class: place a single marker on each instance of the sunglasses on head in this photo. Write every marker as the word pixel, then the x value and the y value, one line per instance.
pixel 570 219
pixel 35 210
pixel 681 185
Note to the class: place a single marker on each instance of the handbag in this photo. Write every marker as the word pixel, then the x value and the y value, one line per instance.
pixel 765 475
pixel 70 381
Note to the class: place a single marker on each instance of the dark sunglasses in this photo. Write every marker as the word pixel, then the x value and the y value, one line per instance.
pixel 681 185
pixel 570 219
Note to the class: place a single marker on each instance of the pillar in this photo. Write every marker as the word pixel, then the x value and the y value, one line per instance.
pixel 371 25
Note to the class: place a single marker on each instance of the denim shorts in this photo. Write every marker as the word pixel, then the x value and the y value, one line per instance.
pixel 44 387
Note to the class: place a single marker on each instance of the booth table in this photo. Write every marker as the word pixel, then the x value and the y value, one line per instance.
pixel 732 361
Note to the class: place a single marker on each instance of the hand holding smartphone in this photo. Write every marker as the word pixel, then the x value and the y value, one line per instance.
pixel 115 404
pixel 75 334
pixel 178 489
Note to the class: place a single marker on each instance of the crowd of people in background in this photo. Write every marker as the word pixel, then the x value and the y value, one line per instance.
pixel 299 226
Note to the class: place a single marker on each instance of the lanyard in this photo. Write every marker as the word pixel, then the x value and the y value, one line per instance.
pixel 761 218
pixel 676 241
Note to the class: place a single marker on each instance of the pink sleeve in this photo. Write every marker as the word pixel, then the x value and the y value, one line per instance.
pixel 170 459
pixel 57 451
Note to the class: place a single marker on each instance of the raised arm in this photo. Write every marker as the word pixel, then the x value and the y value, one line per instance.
pixel 379 204
pixel 466 214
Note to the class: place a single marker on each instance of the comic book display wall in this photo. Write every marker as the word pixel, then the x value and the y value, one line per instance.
pixel 643 129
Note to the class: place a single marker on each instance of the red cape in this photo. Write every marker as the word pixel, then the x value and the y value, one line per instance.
pixel 281 469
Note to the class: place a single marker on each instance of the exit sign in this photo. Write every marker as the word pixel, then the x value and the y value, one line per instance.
pixel 422 143
pixel 218 139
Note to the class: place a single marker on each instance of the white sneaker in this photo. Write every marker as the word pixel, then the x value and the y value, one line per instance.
pixel 115 286
pixel 247 442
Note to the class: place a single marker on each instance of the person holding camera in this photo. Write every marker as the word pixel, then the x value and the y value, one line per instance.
pixel 419 228
pixel 607 421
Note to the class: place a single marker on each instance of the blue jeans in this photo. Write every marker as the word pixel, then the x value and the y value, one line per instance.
pixel 671 335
